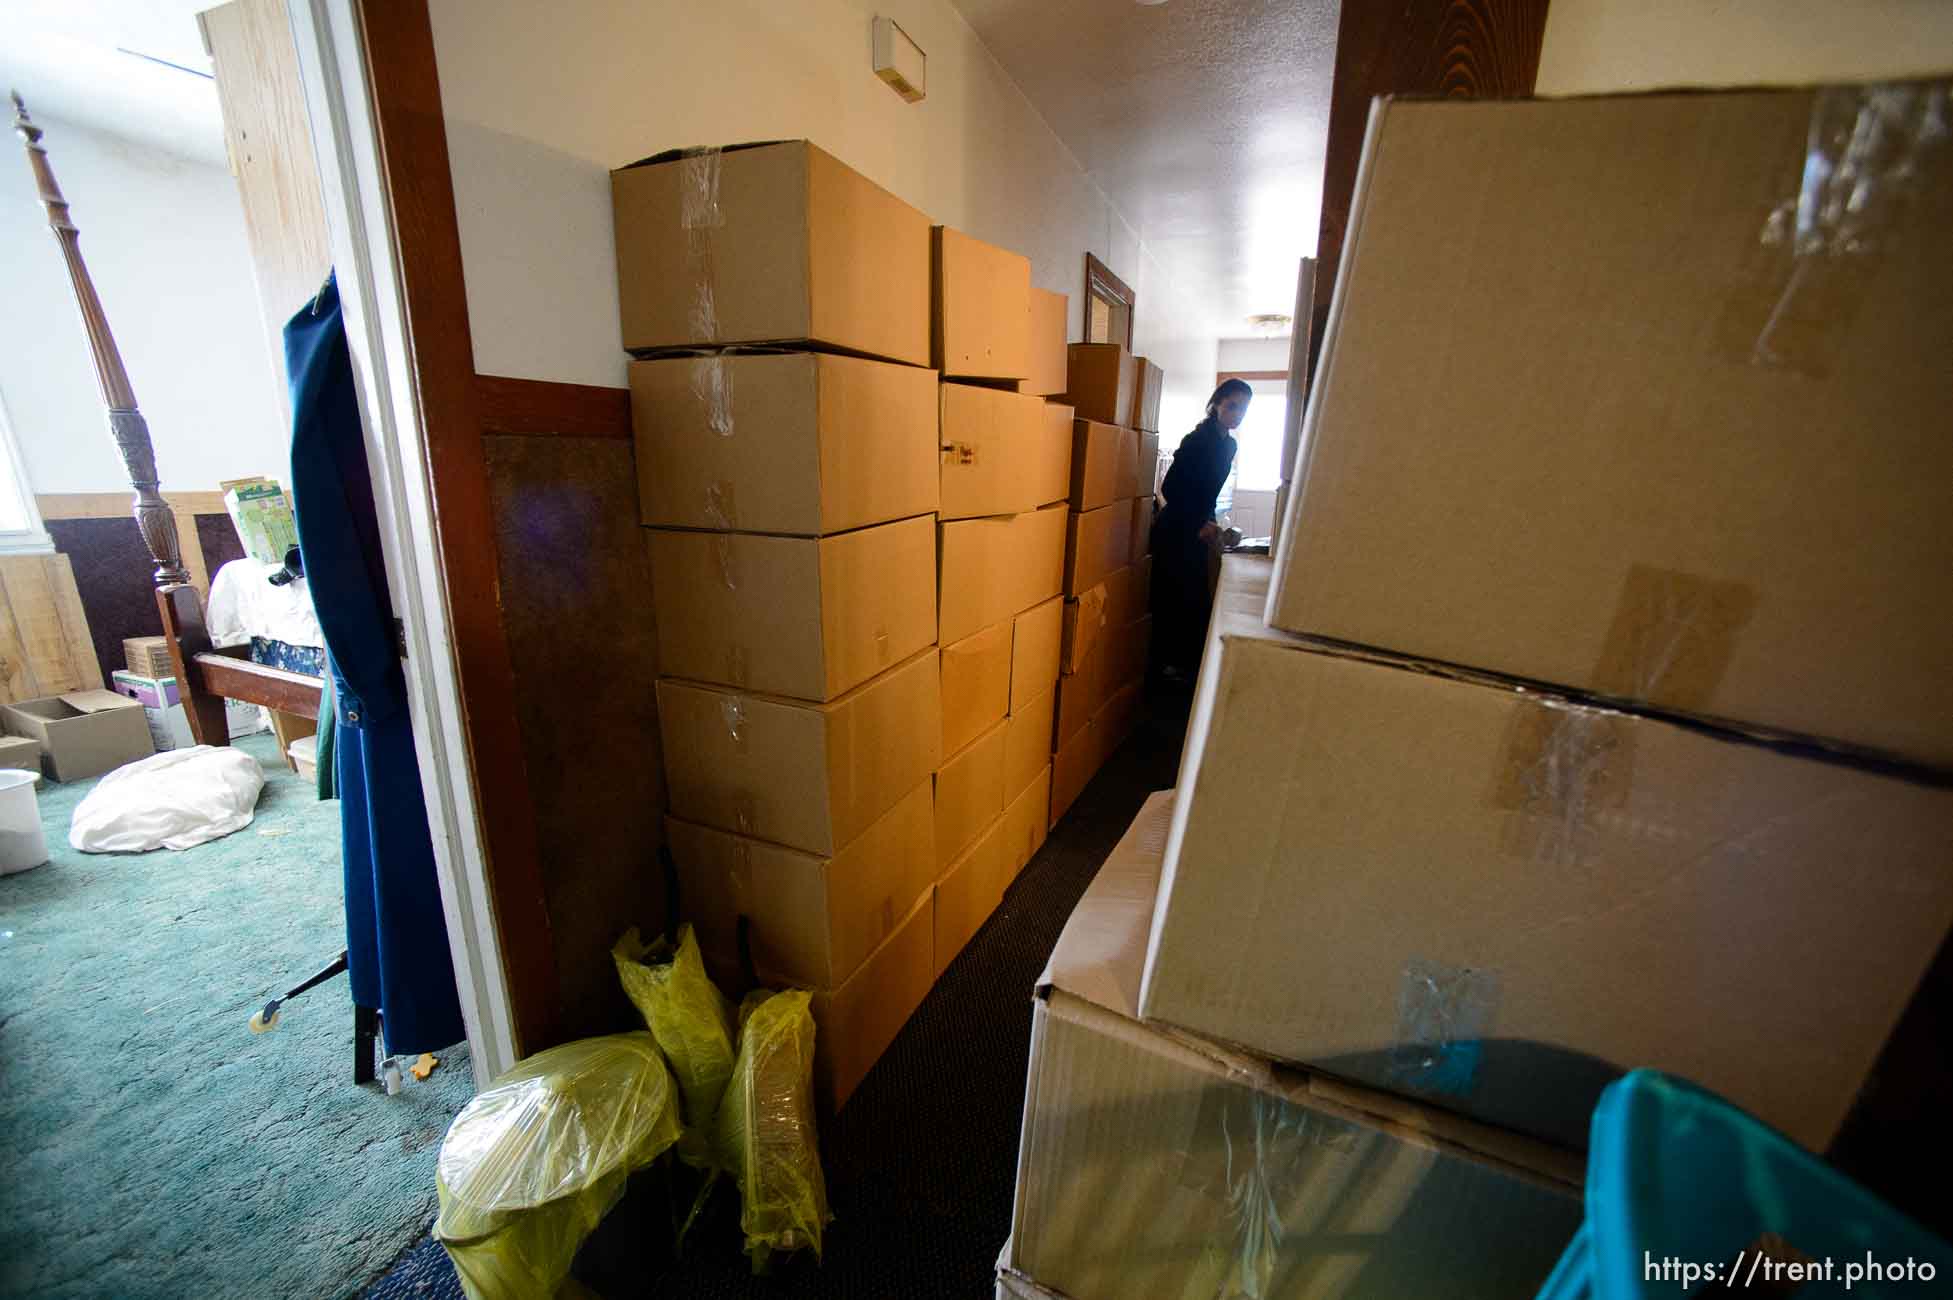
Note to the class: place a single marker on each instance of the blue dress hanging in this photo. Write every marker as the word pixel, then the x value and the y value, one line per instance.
pixel 396 934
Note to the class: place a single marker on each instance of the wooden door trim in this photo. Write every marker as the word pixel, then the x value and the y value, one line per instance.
pixel 543 407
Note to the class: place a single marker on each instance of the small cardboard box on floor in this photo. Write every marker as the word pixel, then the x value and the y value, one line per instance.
pixel 809 776
pixel 768 243
pixel 1153 1163
pixel 801 443
pixel 1441 883
pixel 809 618
pixel 82 733
pixel 1689 446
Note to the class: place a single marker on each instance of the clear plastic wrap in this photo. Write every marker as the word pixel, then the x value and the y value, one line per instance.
pixel 532 1164
pixel 689 1018
pixel 766 1127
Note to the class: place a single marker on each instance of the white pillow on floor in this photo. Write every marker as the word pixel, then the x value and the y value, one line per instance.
pixel 174 800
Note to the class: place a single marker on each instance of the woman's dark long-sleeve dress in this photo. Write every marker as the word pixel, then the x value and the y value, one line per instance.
pixel 1182 600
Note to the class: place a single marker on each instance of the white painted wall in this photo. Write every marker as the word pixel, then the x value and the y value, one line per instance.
pixel 1609 45
pixel 1254 354
pixel 165 243
pixel 543 100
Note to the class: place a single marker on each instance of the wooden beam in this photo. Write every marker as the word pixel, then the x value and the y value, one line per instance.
pixel 114 505
pixel 535 406
pixel 232 678
pixel 413 148
pixel 1460 49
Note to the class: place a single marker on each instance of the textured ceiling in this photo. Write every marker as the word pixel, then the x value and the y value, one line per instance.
pixel 70 61
pixel 1204 121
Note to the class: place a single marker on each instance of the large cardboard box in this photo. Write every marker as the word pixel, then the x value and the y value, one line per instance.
pixel 1073 765
pixel 1035 639
pixel 1047 468
pixel 1099 453
pixel 994 569
pixel 1026 823
pixel 993 450
pixel 1149 465
pixel 1149 381
pixel 1096 543
pixel 809 776
pixel 1158 1164
pixel 806 617
pixel 1126 652
pixel 976 685
pixel 24 752
pixel 1049 324
pixel 1139 542
pixel 1081 694
pixel 1119 716
pixel 1139 594
pixel 1447 885
pixel 981 326
pixel 768 243
pixel 799 442
pixel 1099 382
pixel 1689 445
pixel 1027 742
pixel 969 892
pixel 813 920
pixel 82 733
pixel 1085 623
pixel 1127 486
pixel 854 1024
pixel 969 795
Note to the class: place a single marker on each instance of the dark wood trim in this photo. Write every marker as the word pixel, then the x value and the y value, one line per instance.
pixel 1099 281
pixel 188 638
pixel 1251 376
pixel 537 406
pixel 1459 49
pixel 399 44
pixel 234 678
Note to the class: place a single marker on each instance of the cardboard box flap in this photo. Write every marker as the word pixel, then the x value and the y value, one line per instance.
pixel 673 155
pixel 94 701
pixel 1102 949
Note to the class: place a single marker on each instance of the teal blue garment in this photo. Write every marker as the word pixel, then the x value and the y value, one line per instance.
pixel 322 740
pixel 1679 1179
pixel 397 952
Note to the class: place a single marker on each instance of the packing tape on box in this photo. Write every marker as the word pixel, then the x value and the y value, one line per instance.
pixel 1444 1014
pixel 722 504
pixel 737 666
pixel 728 562
pixel 739 878
pixel 733 710
pixel 1564 766
pixel 745 812
pixel 1804 278
pixel 1672 637
pixel 699 215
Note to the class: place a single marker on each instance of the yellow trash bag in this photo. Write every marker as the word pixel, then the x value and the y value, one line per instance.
pixel 688 1016
pixel 531 1165
pixel 766 1127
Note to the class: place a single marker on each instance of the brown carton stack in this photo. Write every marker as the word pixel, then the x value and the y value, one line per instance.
pixel 790 498
pixel 1635 774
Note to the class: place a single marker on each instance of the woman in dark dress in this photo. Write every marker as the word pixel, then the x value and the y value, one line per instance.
pixel 1185 534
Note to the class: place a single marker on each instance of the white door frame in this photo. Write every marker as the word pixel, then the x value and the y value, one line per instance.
pixel 339 102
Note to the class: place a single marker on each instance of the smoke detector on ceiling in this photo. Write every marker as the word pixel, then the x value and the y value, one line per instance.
pixel 900 61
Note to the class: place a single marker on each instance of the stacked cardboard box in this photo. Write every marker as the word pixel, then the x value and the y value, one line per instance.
pixel 1548 746
pixel 1107 630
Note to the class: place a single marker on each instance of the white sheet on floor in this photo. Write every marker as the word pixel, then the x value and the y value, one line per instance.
pixel 174 800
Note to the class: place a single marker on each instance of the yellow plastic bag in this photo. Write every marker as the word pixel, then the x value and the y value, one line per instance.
pixel 688 1016
pixel 532 1164
pixel 766 1127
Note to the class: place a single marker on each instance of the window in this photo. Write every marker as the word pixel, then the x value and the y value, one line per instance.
pixel 21 530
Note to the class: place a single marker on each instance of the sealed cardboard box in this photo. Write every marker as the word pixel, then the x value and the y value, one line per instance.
pixel 1097 453
pixel 809 776
pixel 1081 694
pixel 1140 537
pixel 1662 513
pixel 981 328
pixel 1140 594
pixel 855 1023
pixel 1099 382
pixel 1127 485
pixel 1035 638
pixel 1149 381
pixel 1027 742
pixel 24 752
pixel 976 685
pixel 768 243
pixel 1047 469
pixel 806 617
pixel 1149 465
pixel 1085 623
pixel 1122 605
pixel 1503 899
pixel 1073 765
pixel 1118 716
pixel 969 892
pixel 1127 651
pixel 1137 1143
pixel 148 656
pixel 82 733
pixel 1049 325
pixel 993 452
pixel 798 442
pixel 1026 823
pixel 994 569
pixel 812 920
pixel 1096 544
pixel 969 795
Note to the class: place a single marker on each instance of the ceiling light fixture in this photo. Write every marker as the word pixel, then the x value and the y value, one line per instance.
pixel 1271 322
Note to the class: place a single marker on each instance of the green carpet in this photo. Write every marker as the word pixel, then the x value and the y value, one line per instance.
pixel 152 1145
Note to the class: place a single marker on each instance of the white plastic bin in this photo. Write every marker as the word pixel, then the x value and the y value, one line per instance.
pixel 23 844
